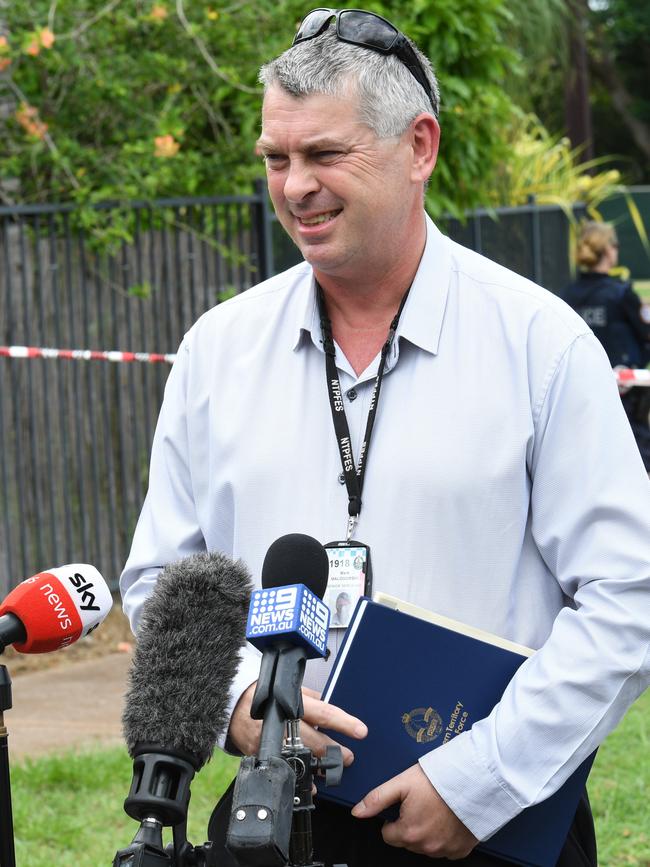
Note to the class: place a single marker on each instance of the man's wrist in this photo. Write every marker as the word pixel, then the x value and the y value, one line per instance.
pixel 465 783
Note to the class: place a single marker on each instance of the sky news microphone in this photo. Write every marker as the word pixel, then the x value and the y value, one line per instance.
pixel 54 608
pixel 187 652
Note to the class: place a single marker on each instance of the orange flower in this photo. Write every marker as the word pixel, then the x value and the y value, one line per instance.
pixel 33 48
pixel 46 37
pixel 4 45
pixel 158 13
pixel 27 117
pixel 165 146
pixel 4 63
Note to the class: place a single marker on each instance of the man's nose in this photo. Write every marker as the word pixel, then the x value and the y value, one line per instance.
pixel 300 181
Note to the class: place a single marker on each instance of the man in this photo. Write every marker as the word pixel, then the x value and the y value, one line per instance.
pixel 501 485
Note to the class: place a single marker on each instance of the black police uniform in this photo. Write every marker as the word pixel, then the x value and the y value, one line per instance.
pixel 612 309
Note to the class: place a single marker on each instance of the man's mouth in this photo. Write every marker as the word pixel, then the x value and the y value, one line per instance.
pixel 318 218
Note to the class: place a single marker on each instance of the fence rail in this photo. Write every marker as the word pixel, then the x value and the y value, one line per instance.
pixel 76 437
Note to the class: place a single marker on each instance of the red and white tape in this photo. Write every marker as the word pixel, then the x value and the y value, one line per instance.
pixel 626 377
pixel 84 354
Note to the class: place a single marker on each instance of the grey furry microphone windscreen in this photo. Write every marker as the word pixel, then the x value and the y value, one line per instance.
pixel 186 655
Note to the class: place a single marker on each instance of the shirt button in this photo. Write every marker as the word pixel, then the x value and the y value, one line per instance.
pixel 341 478
pixel 352 394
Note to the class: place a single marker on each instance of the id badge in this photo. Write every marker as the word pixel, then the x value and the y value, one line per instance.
pixel 350 578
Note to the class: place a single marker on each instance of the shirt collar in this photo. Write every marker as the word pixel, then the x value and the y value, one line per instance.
pixel 423 314
pixel 422 317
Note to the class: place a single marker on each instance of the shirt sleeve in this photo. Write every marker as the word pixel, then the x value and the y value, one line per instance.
pixel 168 528
pixel 590 502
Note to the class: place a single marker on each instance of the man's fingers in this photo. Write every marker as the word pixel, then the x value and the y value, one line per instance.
pixel 378 799
pixel 328 716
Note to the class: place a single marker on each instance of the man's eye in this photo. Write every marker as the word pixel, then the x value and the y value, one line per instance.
pixel 327 155
pixel 274 160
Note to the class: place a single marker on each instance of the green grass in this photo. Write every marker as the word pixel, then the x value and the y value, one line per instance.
pixel 68 809
pixel 619 790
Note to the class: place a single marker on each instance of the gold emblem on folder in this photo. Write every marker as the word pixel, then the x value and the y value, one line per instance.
pixel 423 724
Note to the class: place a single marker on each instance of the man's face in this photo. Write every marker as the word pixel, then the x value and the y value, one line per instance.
pixel 343 195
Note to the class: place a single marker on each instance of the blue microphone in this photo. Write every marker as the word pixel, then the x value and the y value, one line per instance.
pixel 291 612
pixel 288 622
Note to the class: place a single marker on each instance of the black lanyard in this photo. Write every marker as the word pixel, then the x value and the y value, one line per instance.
pixel 353 477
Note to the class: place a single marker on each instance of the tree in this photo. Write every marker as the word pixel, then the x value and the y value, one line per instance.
pixel 588 76
pixel 145 98
pixel 619 51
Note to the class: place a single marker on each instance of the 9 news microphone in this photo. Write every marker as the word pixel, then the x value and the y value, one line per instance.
pixel 186 657
pixel 288 622
pixel 53 609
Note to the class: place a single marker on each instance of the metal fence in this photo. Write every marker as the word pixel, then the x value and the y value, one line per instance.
pixel 532 240
pixel 76 435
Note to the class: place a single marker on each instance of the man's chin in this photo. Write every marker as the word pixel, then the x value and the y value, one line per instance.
pixel 322 258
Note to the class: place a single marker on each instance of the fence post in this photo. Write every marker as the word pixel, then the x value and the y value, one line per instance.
pixel 477 236
pixel 536 238
pixel 263 230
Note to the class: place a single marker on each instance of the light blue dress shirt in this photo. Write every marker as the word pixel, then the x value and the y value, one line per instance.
pixel 503 488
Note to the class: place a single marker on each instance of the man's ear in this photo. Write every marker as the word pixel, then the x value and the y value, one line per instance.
pixel 425 138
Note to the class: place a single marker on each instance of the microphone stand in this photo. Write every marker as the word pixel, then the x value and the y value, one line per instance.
pixel 270 823
pixel 7 850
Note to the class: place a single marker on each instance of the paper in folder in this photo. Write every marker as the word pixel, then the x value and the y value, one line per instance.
pixel 418 679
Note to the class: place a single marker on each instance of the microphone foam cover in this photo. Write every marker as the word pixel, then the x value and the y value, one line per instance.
pixel 186 655
pixel 296 559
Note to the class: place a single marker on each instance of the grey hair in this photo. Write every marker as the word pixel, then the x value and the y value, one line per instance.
pixel 389 96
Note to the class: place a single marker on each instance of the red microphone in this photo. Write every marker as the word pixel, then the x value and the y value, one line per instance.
pixel 53 609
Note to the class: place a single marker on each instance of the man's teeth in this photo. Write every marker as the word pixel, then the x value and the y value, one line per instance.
pixel 321 218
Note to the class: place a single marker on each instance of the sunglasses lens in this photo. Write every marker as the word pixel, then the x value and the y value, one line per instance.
pixel 364 28
pixel 312 24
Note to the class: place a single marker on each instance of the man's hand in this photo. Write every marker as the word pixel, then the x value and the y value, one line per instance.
pixel 245 732
pixel 426 825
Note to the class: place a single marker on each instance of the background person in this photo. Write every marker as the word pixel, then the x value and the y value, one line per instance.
pixel 475 495
pixel 614 312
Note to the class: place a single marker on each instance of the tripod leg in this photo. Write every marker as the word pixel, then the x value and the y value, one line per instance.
pixel 7 851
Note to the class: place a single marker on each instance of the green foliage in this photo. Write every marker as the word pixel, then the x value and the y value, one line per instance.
pixel 148 98
pixel 621 29
pixel 547 167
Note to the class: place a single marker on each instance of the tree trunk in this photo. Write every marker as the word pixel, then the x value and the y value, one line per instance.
pixel 577 107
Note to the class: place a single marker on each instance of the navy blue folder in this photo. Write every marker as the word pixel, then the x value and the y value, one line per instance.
pixel 417 684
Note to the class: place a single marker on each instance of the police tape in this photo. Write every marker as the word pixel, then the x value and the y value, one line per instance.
pixel 85 354
pixel 626 377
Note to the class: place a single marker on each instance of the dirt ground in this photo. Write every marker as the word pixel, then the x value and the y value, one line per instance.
pixel 72 699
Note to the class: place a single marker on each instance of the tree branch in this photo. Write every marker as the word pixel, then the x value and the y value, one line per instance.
pixel 604 67
pixel 90 21
pixel 47 138
pixel 209 59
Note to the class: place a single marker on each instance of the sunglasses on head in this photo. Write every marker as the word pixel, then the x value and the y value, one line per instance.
pixel 368 31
